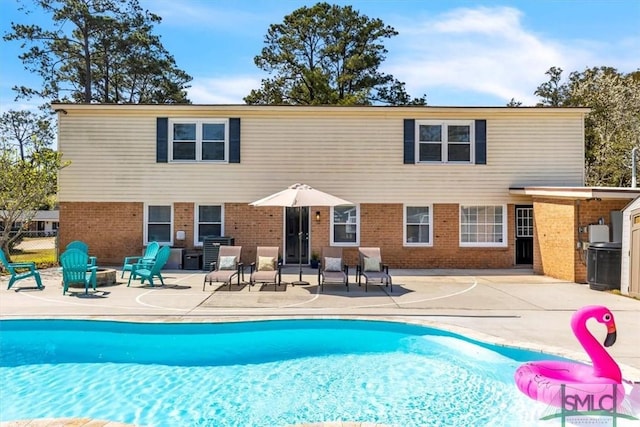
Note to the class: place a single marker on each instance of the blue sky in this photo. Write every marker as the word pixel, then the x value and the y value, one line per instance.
pixel 460 53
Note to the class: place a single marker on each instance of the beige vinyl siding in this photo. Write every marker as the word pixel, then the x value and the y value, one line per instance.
pixel 352 152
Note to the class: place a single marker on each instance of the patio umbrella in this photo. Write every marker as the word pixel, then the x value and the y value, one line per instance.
pixel 300 195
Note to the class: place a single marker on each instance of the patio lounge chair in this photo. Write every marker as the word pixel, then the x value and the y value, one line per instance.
pixel 332 268
pixel 20 270
pixel 267 268
pixel 371 267
pixel 148 257
pixel 226 267
pixel 145 271
pixel 82 246
pixel 75 270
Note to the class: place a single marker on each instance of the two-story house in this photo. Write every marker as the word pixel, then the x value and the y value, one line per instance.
pixel 433 187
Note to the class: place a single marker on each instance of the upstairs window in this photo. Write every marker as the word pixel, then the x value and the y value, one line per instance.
pixel 199 140
pixel 445 141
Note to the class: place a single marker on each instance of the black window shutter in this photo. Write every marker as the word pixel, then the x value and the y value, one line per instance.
pixel 409 141
pixel 162 148
pixel 234 140
pixel 481 142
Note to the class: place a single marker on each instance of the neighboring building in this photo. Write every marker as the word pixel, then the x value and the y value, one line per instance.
pixel 44 223
pixel 434 187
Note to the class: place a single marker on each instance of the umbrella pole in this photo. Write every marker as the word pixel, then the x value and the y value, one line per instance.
pixel 300 281
pixel 300 242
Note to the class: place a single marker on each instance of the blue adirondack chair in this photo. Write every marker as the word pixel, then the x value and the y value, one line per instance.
pixel 20 270
pixel 75 270
pixel 80 245
pixel 148 257
pixel 144 271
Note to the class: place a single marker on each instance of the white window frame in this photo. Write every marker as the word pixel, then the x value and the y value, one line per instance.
pixel 429 223
pixel 196 221
pixel 146 223
pixel 524 229
pixel 445 143
pixel 198 142
pixel 504 224
pixel 356 224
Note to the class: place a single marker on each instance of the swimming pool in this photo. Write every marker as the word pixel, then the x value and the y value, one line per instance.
pixel 267 373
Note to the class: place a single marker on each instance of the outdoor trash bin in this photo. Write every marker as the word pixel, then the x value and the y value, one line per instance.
pixel 603 266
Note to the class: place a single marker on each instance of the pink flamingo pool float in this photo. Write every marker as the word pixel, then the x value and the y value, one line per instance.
pixel 584 384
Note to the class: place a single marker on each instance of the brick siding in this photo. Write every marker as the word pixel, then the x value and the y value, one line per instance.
pixel 112 230
pixel 116 230
pixel 556 223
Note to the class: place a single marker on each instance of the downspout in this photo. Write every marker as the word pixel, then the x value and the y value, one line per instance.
pixel 633 167
pixel 580 246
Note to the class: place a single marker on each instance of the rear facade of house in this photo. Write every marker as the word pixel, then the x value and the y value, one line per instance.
pixel 433 187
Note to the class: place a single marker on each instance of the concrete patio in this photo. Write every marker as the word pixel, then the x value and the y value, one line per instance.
pixel 510 307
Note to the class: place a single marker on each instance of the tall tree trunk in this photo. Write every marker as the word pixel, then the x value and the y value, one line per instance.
pixel 87 64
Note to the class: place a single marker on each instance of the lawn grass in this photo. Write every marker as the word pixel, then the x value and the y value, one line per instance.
pixel 42 257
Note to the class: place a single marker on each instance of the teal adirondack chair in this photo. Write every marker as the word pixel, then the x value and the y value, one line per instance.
pixel 148 257
pixel 20 270
pixel 75 270
pixel 80 245
pixel 144 271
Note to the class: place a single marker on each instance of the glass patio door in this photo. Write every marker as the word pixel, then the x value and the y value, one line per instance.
pixel 524 234
pixel 296 220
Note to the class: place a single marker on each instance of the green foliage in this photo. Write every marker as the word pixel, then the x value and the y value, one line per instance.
pixel 28 173
pixel 514 103
pixel 99 51
pixel 552 92
pixel 612 127
pixel 25 131
pixel 327 54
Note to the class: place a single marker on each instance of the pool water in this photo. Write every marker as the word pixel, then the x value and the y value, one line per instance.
pixel 272 373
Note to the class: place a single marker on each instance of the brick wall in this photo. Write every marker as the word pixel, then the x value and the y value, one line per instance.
pixel 590 212
pixel 556 224
pixel 252 226
pixel 554 238
pixel 115 230
pixel 183 220
pixel 112 230
pixel 320 232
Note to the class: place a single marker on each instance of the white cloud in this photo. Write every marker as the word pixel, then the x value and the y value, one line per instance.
pixel 482 20
pixel 482 51
pixel 221 15
pixel 222 90
pixel 465 56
